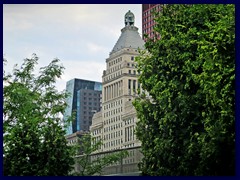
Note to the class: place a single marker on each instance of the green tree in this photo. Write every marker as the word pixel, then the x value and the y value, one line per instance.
pixel 88 165
pixel 34 142
pixel 187 124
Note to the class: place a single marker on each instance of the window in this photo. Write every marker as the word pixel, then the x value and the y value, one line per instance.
pixel 129 71
pixel 129 84
pixel 134 85
pixel 132 58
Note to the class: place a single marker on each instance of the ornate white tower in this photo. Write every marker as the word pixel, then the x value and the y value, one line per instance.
pixel 116 122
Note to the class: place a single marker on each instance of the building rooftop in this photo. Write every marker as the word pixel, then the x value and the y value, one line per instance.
pixel 129 37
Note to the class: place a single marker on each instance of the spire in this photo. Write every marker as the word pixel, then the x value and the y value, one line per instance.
pixel 129 18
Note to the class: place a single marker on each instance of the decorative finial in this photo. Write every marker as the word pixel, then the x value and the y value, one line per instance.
pixel 129 19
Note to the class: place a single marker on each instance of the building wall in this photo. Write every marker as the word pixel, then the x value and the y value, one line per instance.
pixel 126 165
pixel 73 140
pixel 148 19
pixel 79 89
pixel 119 87
pixel 115 123
pixel 88 103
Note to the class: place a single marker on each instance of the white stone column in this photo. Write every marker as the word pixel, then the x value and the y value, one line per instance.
pixel 120 87
pixel 104 94
pixel 112 91
pixel 117 89
pixel 108 90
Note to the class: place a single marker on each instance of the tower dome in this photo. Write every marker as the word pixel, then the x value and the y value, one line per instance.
pixel 129 37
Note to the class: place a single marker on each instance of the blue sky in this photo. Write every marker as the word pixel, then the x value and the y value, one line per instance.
pixel 80 35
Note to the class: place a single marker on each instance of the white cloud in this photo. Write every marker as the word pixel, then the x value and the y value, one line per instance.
pixel 89 70
pixel 72 16
pixel 9 23
pixel 80 35
pixel 95 48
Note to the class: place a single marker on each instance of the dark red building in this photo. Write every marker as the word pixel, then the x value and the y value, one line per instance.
pixel 148 19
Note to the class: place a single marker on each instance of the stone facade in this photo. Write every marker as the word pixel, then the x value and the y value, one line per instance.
pixel 128 165
pixel 116 122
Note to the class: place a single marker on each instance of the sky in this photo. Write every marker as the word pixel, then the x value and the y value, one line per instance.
pixel 80 35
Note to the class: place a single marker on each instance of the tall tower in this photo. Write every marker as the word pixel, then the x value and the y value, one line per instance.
pixel 116 122
pixel 120 85
pixel 148 19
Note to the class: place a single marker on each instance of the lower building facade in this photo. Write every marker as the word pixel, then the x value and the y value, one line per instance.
pixel 125 167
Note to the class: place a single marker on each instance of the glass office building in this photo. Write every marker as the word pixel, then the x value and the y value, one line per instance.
pixel 83 101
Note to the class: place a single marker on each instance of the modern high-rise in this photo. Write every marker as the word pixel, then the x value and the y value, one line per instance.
pixel 83 101
pixel 116 122
pixel 148 18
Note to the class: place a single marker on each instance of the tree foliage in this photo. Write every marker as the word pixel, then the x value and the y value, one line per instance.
pixel 187 127
pixel 34 142
pixel 87 148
